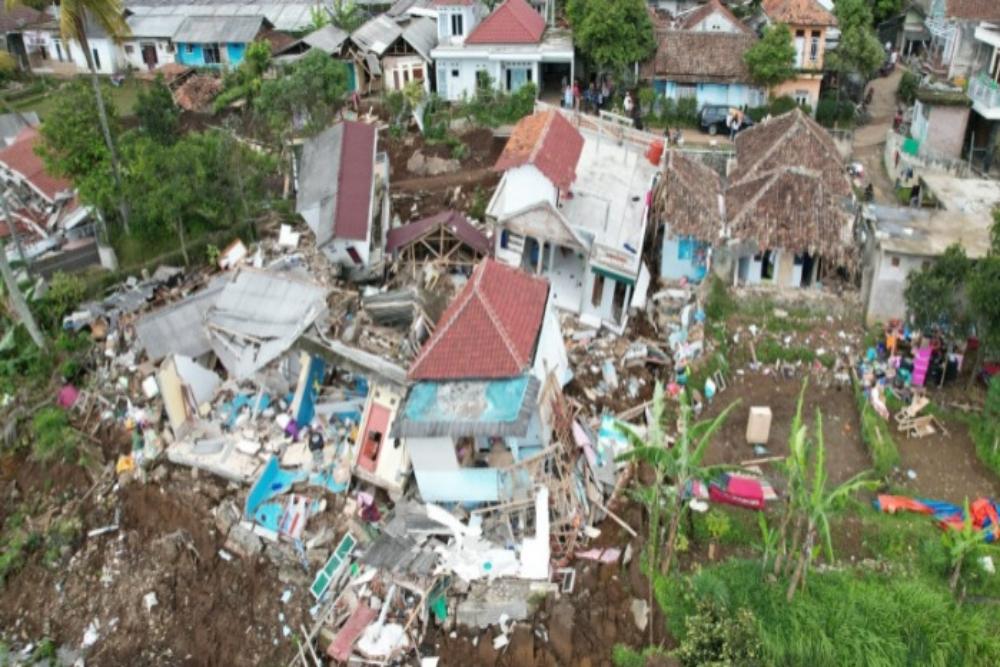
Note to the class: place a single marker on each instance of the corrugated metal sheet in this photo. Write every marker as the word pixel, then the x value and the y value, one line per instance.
pixel 318 174
pixel 180 327
pixel 218 29
pixel 327 39
pixel 377 34
pixel 154 26
pixel 283 14
pixel 421 34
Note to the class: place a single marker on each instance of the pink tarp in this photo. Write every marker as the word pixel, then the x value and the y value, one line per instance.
pixel 342 645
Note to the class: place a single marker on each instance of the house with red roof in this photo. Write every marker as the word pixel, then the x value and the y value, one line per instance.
pixel 343 194
pixel 483 386
pixel 508 48
pixel 573 208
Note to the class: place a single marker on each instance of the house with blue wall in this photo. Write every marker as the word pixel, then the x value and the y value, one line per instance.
pixel 217 41
pixel 690 207
pixel 700 56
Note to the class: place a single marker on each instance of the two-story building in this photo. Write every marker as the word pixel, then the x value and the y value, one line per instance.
pixel 984 87
pixel 956 49
pixel 512 46
pixel 808 21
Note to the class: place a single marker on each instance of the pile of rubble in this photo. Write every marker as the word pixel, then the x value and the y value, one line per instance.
pixel 274 376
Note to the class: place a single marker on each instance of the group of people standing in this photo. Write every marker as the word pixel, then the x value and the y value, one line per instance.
pixel 598 96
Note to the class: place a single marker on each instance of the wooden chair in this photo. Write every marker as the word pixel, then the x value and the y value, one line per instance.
pixel 911 411
pixel 920 427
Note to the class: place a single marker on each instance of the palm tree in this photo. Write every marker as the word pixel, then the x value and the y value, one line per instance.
pixel 818 505
pixel 676 464
pixel 109 16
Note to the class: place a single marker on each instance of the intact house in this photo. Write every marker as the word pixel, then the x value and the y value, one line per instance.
pixel 689 203
pixel 343 194
pixel 286 15
pixel 955 47
pixel 809 22
pixel 480 403
pixel 899 241
pixel 906 31
pixel 150 42
pixel 330 40
pixel 572 206
pixel 984 85
pixel 392 52
pixel 512 46
pixel 52 227
pixel 217 41
pixel 940 119
pixel 49 53
pixel 14 22
pixel 789 205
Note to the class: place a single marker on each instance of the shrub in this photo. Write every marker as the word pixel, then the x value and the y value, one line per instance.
pixel 908 84
pixel 52 437
pixel 877 436
pixel 714 637
pixel 719 304
pixel 845 618
pixel 830 112
pixel 8 66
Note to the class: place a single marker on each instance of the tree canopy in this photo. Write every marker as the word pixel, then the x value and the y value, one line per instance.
pixel 158 116
pixel 612 33
pixel 771 60
pixel 244 82
pixel 934 295
pixel 859 50
pixel 306 97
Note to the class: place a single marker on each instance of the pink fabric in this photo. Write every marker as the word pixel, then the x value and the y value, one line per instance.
pixel 67 396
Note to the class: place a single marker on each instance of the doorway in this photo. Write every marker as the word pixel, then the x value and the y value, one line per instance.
pixel 149 55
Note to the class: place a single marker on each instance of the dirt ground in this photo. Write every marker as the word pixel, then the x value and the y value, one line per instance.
pixel 846 454
pixel 208 611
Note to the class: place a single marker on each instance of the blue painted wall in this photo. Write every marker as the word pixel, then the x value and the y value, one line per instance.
pixel 195 57
pixel 235 52
pixel 682 258
pixel 732 94
pixel 466 485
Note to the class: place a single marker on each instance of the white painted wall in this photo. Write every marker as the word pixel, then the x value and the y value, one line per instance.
pixel 110 57
pixel 397 71
pixel 164 52
pixel 522 187
pixel 470 19
pixel 456 76
pixel 715 22
pixel 551 353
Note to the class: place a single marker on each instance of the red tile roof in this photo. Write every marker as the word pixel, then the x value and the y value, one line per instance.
pixel 513 22
pixel 354 182
pixel 489 330
pixel 548 141
pixel 456 223
pixel 20 157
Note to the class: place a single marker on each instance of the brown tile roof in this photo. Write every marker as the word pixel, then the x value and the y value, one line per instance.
pixel 488 331
pixel 798 12
pixel 792 139
pixel 794 209
pixel 706 10
pixel 689 56
pixel 17 18
pixel 688 198
pixel 973 10
pixel 789 189
pixel 549 142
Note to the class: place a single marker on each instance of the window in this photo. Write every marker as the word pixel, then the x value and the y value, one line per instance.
pixel 814 46
pixel 454 73
pixel 97 59
pixel 129 49
pixel 59 53
pixel 456 25
pixel 686 90
pixel 354 255
pixel 895 261
pixel 800 48
pixel 504 239
pixel 212 56
pixel 170 47
pixel 395 79
pixel 418 73
pixel 597 295
pixel 801 97
pixel 189 48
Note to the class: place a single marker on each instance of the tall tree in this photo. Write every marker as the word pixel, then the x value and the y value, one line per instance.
pixel 859 50
pixel 346 15
pixel 18 303
pixel 771 60
pixel 244 82
pixel 612 33
pixel 934 295
pixel 158 115
pixel 108 15
pixel 983 290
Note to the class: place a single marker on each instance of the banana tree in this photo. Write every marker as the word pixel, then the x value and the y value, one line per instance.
pixel 961 542
pixel 674 466
pixel 818 506
pixel 794 467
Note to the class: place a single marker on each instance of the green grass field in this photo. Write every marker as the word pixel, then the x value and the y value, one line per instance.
pixel 123 97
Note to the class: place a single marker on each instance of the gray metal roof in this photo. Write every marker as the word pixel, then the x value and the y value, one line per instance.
pixel 377 34
pixel 327 39
pixel 318 180
pixel 11 124
pixel 421 34
pixel 283 14
pixel 219 29
pixel 180 327
pixel 258 316
pixel 154 26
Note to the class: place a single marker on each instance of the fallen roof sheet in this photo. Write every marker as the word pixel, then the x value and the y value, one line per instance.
pixel 258 316
pixel 180 327
pixel 454 222
pixel 460 409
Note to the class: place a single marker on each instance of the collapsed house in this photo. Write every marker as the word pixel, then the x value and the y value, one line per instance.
pixel 52 227
pixel 482 384
pixel 572 206
pixel 393 51
pixel 343 194
pixel 445 240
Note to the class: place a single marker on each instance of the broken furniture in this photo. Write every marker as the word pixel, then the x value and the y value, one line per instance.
pixel 920 427
pixel 911 411
pixel 759 425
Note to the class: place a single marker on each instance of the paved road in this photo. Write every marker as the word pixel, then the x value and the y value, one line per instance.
pixel 869 140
